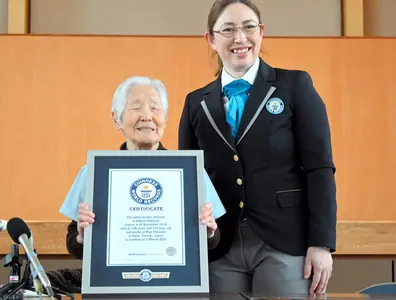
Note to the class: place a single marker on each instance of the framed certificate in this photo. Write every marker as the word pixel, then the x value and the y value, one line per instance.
pixel 146 238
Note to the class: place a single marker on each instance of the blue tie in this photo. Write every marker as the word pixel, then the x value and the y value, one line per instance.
pixel 237 93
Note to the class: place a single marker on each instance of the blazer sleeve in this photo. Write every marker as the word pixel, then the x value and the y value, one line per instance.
pixel 315 152
pixel 215 240
pixel 187 138
pixel 74 248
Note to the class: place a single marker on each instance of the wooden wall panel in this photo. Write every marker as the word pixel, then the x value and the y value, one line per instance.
pixel 354 239
pixel 18 16
pixel 55 101
pixel 352 17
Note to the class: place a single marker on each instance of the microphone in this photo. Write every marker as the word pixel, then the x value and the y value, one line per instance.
pixel 3 225
pixel 20 234
pixel 36 281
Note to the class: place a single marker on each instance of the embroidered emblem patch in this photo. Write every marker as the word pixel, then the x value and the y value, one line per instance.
pixel 275 106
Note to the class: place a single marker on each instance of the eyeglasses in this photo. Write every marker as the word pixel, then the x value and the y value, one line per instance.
pixel 230 30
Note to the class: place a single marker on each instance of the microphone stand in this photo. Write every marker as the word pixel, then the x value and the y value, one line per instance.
pixel 27 284
pixel 14 261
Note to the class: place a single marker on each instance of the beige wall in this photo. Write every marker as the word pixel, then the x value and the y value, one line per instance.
pixel 380 18
pixel 177 17
pixel 3 16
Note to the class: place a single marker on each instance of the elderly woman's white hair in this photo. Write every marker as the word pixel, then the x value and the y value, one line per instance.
pixel 121 93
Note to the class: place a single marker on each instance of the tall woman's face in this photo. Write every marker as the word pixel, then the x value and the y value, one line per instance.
pixel 237 37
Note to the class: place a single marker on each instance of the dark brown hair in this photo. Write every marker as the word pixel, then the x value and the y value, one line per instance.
pixel 217 9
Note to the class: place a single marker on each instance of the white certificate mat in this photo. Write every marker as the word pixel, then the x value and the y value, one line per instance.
pixel 146 211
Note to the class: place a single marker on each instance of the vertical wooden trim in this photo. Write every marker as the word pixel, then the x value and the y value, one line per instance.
pixel 352 17
pixel 18 16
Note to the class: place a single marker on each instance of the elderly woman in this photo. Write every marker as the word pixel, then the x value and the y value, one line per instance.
pixel 139 111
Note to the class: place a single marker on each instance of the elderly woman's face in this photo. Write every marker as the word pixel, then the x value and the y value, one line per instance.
pixel 143 120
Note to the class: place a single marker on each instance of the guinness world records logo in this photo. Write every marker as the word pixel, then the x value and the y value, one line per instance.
pixel 146 191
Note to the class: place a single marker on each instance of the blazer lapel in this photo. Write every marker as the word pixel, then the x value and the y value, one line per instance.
pixel 213 107
pixel 261 92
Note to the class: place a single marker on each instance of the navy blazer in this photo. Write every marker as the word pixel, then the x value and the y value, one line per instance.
pixel 279 170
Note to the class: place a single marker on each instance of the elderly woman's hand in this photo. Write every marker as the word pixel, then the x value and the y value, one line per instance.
pixel 85 217
pixel 206 217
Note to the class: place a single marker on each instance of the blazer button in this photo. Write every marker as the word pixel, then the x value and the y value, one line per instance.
pixel 241 204
pixel 239 181
pixel 236 158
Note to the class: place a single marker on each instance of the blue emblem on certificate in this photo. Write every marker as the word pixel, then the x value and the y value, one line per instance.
pixel 146 191
pixel 145 275
pixel 275 106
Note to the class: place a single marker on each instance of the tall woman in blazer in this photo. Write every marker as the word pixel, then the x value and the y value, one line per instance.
pixel 266 141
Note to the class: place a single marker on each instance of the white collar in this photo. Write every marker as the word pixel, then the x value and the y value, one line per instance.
pixel 249 76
